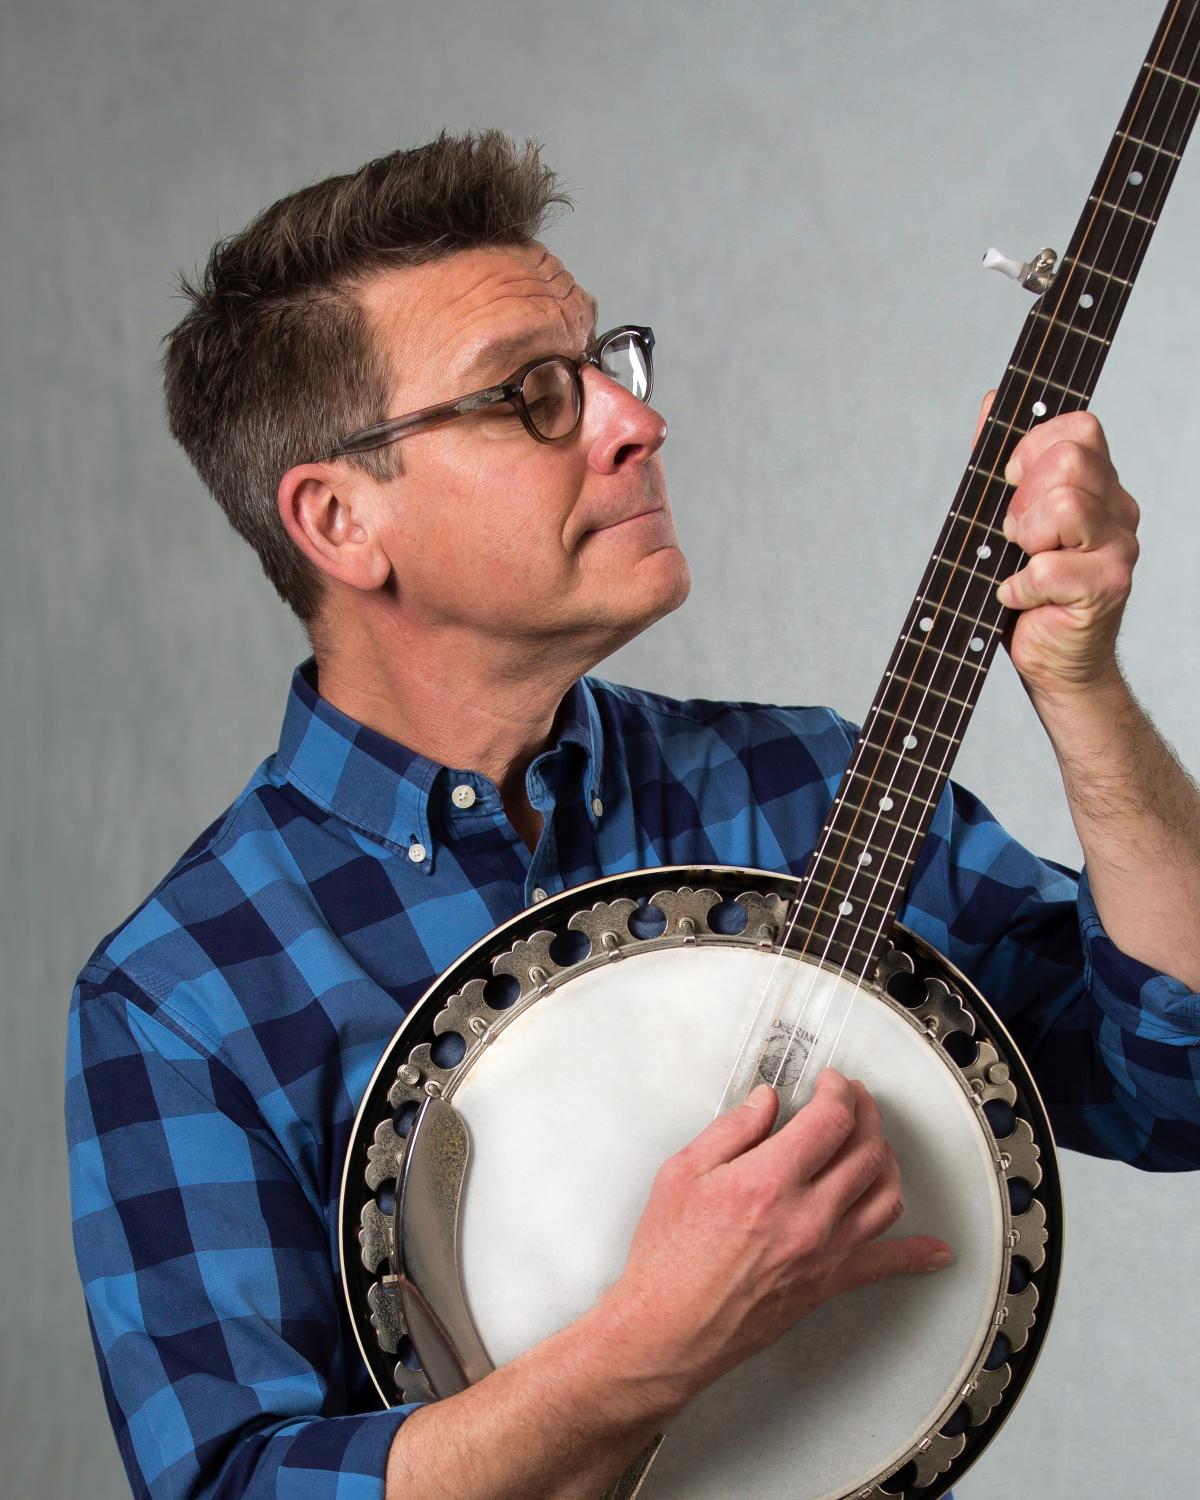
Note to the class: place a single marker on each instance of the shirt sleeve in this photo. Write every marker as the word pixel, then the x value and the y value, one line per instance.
pixel 206 1268
pixel 1113 1044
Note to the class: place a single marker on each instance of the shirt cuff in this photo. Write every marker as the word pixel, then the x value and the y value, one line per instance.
pixel 1136 997
pixel 340 1458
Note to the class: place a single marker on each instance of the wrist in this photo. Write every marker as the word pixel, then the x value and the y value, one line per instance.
pixel 642 1382
pixel 1099 697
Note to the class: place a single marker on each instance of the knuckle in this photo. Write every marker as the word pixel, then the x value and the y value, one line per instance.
pixel 892 1207
pixel 874 1157
pixel 839 1116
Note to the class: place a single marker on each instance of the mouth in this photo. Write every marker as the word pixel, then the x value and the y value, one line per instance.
pixel 638 515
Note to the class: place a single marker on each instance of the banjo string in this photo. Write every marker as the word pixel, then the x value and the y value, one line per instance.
pixel 871 778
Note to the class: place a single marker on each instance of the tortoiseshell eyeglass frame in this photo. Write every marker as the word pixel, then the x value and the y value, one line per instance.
pixel 508 391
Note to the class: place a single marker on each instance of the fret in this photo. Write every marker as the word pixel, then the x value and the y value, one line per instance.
pixel 1150 146
pixel 943 655
pixel 1045 380
pixel 981 525
pixel 973 621
pixel 1164 113
pixel 871 845
pixel 893 793
pixel 1119 209
pixel 937 692
pixel 1095 270
pixel 858 900
pixel 1001 420
pixel 988 473
pixel 900 718
pixel 1178 77
pixel 905 758
pixel 992 579
pixel 1070 328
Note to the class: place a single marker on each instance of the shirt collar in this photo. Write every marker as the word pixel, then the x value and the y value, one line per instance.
pixel 378 785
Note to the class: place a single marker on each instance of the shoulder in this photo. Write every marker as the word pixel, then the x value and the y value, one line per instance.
pixel 734 724
pixel 203 899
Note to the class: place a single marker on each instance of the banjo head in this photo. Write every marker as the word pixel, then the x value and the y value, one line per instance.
pixel 587 1040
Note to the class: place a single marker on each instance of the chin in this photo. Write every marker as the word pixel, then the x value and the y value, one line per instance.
pixel 657 585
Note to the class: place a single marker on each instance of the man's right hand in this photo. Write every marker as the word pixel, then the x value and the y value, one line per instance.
pixel 745 1232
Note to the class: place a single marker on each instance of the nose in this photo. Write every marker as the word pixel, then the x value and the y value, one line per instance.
pixel 618 427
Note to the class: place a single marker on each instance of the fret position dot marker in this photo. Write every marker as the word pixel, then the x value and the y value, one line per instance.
pixel 909 742
pixel 976 643
pixel 886 803
pixel 1086 300
pixel 985 551
pixel 846 908
pixel 1135 178
pixel 1039 408
pixel 864 858
pixel 926 623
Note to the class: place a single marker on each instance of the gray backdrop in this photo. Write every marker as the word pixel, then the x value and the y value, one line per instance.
pixel 797 196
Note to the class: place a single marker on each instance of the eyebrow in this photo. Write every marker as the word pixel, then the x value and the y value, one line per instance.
pixel 506 353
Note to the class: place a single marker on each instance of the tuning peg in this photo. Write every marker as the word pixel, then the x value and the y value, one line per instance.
pixel 1033 274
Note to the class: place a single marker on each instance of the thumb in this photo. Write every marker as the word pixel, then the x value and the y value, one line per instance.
pixel 984 408
pixel 735 1131
pixel 883 1258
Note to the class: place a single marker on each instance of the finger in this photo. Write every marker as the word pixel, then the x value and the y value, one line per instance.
pixel 883 1258
pixel 818 1130
pixel 1072 579
pixel 1065 517
pixel 985 406
pixel 734 1132
pixel 877 1210
pixel 1071 466
pixel 1078 427
pixel 853 1169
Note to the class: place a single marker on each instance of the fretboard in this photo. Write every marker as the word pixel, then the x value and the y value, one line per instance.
pixel 866 852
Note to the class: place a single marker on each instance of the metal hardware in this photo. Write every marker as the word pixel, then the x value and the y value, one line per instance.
pixel 1034 275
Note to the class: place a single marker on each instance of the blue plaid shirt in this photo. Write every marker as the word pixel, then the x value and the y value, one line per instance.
pixel 221 1037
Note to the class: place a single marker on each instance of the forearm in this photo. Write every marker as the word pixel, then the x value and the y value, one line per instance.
pixel 1137 814
pixel 561 1422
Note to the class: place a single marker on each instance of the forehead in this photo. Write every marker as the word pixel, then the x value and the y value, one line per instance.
pixel 438 318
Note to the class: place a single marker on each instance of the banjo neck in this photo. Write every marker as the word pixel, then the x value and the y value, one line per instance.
pixel 868 847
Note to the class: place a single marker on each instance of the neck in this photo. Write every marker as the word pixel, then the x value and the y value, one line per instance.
pixel 487 706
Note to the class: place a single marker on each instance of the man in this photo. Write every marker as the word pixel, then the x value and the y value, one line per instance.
pixel 444 763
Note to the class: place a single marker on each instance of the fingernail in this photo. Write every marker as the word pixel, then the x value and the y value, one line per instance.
pixel 1008 525
pixel 939 1260
pixel 1013 471
pixel 1004 592
pixel 757 1097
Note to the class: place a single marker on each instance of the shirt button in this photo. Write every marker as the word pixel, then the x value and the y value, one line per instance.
pixel 416 852
pixel 597 806
pixel 463 796
pixel 538 893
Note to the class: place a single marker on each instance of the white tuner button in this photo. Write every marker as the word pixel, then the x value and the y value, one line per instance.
pixel 995 260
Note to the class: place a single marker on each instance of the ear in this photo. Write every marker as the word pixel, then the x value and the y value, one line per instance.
pixel 328 512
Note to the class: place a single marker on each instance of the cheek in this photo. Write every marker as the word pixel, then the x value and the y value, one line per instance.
pixel 484 534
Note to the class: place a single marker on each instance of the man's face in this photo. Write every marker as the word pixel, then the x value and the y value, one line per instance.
pixel 485 528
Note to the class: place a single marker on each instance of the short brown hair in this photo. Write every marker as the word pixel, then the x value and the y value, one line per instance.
pixel 274 361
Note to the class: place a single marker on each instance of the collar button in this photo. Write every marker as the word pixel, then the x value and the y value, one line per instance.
pixel 416 852
pixel 463 796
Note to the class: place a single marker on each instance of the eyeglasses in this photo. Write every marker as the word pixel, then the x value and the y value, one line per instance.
pixel 546 393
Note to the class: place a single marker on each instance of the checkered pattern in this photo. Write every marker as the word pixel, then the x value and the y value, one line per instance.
pixel 221 1037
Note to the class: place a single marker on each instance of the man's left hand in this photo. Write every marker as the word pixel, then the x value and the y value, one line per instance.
pixel 1077 525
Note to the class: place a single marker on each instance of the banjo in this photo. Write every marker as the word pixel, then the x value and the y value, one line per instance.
pixel 507 1141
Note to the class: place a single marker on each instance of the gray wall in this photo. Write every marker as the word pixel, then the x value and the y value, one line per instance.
pixel 797 196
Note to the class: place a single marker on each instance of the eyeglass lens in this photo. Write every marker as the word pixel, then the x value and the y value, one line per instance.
pixel 551 391
pixel 551 399
pixel 627 360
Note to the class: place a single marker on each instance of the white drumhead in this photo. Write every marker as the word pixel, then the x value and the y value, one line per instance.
pixel 571 1111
